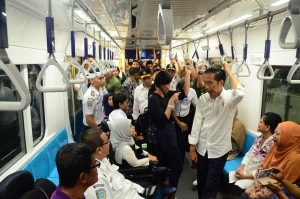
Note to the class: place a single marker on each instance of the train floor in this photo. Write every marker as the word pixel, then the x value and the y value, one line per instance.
pixel 186 190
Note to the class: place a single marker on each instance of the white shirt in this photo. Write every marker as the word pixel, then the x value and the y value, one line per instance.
pixel 111 184
pixel 212 125
pixel 182 107
pixel 140 101
pixel 174 83
pixel 116 114
pixel 82 87
pixel 129 156
pixel 92 104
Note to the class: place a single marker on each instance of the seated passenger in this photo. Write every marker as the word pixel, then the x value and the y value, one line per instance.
pixel 77 171
pixel 108 104
pixel 120 102
pixel 283 155
pixel 244 175
pixel 126 151
pixel 289 188
pixel 238 135
pixel 111 183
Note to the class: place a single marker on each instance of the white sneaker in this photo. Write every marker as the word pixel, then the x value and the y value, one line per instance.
pixel 195 183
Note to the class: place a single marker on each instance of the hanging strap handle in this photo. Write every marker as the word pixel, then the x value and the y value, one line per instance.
pixel 221 48
pixel 196 51
pixel 234 64
pixel 266 65
pixel 52 61
pixel 292 19
pixel 14 75
pixel 245 52
pixel 79 77
pixel 294 68
pixel 207 53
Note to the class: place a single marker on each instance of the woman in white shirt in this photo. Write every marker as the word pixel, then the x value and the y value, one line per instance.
pixel 126 151
pixel 244 175
pixel 120 102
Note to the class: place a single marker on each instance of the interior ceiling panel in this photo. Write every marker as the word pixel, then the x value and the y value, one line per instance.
pixel 190 17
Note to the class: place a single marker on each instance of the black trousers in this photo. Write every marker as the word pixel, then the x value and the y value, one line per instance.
pixel 182 136
pixel 167 143
pixel 209 173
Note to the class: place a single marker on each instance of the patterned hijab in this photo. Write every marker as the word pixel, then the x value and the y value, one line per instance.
pixel 120 137
pixel 287 154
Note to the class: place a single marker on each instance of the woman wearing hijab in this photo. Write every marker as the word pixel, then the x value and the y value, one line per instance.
pixel 126 151
pixel 245 173
pixel 108 104
pixel 284 155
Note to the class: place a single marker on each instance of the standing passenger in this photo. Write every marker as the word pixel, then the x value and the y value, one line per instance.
pixel 161 103
pixel 92 103
pixel 211 132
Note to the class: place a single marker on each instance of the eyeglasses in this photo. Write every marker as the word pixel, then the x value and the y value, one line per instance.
pixel 105 143
pixel 98 163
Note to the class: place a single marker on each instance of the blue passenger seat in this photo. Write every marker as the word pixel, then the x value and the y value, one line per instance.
pixel 232 165
pixel 42 165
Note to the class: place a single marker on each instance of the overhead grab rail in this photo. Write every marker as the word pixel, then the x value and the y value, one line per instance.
pixel 165 22
pixel 245 52
pixel 292 19
pixel 51 60
pixel 221 48
pixel 234 64
pixel 266 65
pixel 76 72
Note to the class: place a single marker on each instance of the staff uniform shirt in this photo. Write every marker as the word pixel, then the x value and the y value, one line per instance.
pixel 111 184
pixel 174 83
pixel 58 194
pixel 212 125
pixel 92 104
pixel 82 87
pixel 140 101
pixel 182 107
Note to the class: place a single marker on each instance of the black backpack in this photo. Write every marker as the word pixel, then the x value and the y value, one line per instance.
pixel 143 123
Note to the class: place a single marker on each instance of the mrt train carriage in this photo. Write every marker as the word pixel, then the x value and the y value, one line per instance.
pixel 37 101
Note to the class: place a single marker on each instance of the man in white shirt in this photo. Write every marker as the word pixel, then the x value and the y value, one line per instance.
pixel 92 103
pixel 140 100
pixel 211 131
pixel 171 68
pixel 111 183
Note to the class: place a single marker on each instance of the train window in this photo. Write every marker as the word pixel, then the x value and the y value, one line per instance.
pixel 12 135
pixel 281 97
pixel 36 105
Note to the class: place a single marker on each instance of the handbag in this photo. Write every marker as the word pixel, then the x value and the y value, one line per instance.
pixel 258 191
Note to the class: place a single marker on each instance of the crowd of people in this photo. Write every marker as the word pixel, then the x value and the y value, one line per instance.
pixel 189 111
